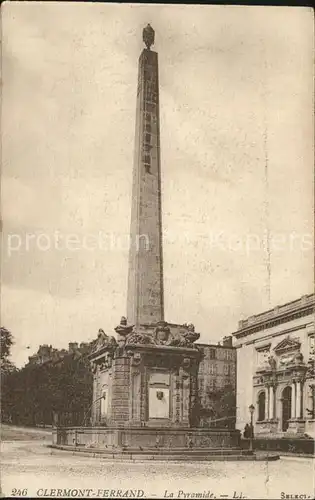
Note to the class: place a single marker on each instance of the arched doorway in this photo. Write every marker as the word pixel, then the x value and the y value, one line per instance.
pixel 286 407
pixel 261 406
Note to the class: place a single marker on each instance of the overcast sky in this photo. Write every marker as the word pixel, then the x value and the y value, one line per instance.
pixel 236 86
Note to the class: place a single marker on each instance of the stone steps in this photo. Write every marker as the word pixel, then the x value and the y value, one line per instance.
pixel 181 451
pixel 184 455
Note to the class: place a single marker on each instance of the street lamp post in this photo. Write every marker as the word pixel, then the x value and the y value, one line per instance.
pixel 251 411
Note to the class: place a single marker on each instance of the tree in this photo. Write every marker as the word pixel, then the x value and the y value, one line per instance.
pixel 220 410
pixel 6 342
pixel 7 369
pixel 57 391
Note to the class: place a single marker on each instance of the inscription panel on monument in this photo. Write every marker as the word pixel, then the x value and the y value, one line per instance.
pixel 159 394
pixel 159 402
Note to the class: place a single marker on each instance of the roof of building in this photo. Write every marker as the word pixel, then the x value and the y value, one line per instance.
pixel 215 346
pixel 303 306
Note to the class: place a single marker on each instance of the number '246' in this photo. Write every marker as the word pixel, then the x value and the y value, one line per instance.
pixel 19 493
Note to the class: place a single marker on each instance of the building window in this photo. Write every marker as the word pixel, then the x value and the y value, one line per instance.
pixel 211 385
pixel 228 355
pixel 286 407
pixel 213 369
pixel 261 406
pixel 212 354
pixel 226 369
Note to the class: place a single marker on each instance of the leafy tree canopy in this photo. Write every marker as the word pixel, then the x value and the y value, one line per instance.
pixel 6 341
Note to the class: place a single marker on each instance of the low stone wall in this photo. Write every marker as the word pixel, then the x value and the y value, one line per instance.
pixel 282 444
pixel 146 438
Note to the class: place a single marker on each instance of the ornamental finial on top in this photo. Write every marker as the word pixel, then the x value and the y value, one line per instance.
pixel 148 36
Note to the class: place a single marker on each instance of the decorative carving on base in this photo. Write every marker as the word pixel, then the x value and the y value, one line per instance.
pixel 136 358
pixel 191 335
pixel 189 441
pixel 186 364
pixel 186 337
pixel 123 330
pixel 107 361
pixel 104 340
pixel 163 336
pixel 139 338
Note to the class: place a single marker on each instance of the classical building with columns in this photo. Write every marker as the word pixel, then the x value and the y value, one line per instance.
pixel 275 370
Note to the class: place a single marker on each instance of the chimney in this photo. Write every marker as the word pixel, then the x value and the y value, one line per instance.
pixel 227 341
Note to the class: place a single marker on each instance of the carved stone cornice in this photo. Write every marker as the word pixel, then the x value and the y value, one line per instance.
pixel 103 344
pixel 162 334
pixel 281 314
pixel 288 373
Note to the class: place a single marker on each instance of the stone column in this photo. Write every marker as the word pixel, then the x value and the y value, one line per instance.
pixel 311 401
pixel 178 398
pixel 135 395
pixel 185 398
pixel 298 399
pixel 293 400
pixel 144 396
pixel 121 387
pixel 303 390
pixel 109 395
pixel 267 407
pixel 271 400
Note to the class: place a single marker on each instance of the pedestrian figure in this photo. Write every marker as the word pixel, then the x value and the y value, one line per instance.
pixel 246 432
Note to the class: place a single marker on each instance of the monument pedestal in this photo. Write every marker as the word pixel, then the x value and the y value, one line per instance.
pixel 150 379
pixel 146 395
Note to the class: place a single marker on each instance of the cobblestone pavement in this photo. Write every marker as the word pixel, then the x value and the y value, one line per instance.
pixel 33 467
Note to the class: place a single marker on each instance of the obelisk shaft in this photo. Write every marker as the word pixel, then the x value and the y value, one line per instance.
pixel 145 302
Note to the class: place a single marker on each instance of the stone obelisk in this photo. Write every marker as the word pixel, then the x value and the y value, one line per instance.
pixel 145 385
pixel 145 301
